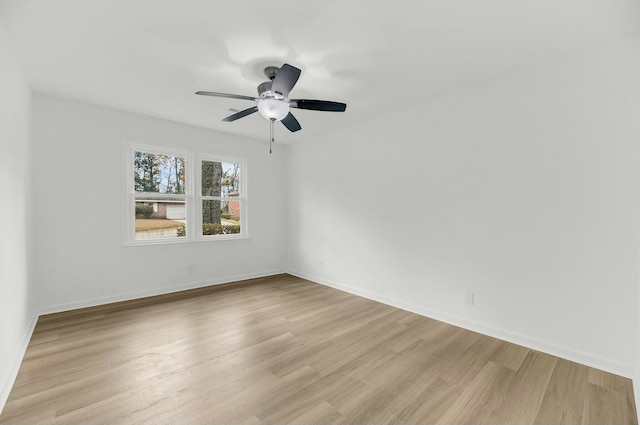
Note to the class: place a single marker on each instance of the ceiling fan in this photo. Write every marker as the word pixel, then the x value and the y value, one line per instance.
pixel 273 99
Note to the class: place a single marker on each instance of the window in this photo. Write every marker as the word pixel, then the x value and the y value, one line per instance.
pixel 222 197
pixel 159 197
pixel 171 200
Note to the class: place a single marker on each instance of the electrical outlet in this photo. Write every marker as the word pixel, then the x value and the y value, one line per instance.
pixel 322 264
pixel 470 299
pixel 191 268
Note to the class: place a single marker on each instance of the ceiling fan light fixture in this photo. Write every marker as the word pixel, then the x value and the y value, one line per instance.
pixel 273 109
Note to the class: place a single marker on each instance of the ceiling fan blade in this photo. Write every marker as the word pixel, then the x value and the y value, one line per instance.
pixel 241 114
pixel 291 123
pixel 318 105
pixel 232 96
pixel 285 79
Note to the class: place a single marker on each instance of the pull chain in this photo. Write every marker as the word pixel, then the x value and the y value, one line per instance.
pixel 271 138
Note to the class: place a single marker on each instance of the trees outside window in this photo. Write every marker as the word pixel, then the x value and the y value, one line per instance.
pixel 160 201
pixel 222 197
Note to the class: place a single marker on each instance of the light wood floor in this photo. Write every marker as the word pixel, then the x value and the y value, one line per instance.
pixel 284 350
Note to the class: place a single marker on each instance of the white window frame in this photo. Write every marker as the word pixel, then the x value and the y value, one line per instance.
pixel 132 194
pixel 242 198
pixel 193 195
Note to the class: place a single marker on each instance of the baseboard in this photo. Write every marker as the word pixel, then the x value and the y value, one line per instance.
pixel 505 335
pixel 13 373
pixel 92 302
pixel 636 394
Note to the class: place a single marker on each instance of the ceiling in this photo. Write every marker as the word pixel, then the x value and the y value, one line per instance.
pixel 150 56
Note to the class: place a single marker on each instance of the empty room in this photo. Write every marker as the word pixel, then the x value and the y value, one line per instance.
pixel 319 212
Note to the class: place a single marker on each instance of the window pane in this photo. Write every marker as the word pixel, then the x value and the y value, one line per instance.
pixel 220 179
pixel 158 173
pixel 160 219
pixel 221 217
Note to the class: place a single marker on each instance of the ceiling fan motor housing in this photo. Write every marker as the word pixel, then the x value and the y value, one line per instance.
pixel 264 88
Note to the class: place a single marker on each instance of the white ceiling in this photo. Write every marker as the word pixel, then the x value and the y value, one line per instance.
pixel 150 56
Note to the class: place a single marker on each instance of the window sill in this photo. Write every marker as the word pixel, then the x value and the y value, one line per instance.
pixel 186 241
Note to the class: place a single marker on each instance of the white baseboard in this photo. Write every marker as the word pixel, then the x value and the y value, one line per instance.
pixel 13 373
pixel 505 335
pixel 92 302
pixel 636 394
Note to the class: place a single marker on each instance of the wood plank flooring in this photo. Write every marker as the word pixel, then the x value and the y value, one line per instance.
pixel 282 350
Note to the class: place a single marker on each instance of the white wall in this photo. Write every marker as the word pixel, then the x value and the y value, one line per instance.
pixel 524 191
pixel 79 191
pixel 636 376
pixel 16 311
